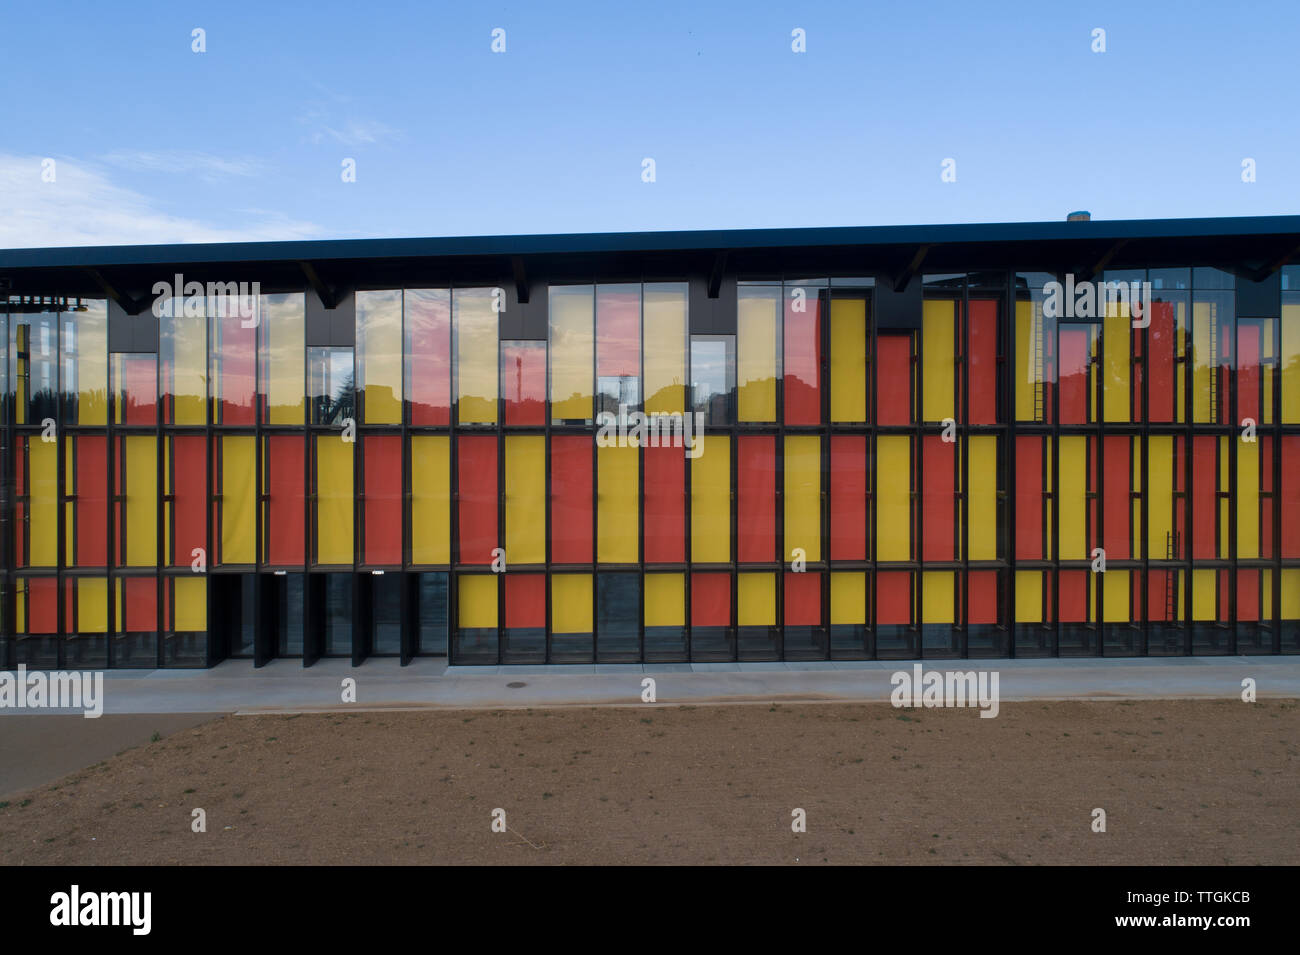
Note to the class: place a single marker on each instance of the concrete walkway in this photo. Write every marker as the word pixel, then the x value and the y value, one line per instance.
pixel 284 686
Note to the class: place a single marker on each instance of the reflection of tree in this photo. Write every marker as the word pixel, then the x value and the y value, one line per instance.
pixel 333 408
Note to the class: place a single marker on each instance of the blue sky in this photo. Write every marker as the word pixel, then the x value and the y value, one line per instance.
pixel 152 142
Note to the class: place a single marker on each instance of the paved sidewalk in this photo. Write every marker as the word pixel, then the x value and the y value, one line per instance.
pixel 286 686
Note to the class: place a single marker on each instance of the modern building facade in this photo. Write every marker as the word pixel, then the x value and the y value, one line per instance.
pixel 813 444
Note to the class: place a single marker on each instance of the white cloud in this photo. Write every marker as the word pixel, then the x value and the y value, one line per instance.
pixel 325 125
pixel 205 165
pixel 84 206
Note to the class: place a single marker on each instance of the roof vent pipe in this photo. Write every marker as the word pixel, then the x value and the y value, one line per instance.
pixel 1082 215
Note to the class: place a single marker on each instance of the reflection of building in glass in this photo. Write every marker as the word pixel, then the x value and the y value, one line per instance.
pixel 895 463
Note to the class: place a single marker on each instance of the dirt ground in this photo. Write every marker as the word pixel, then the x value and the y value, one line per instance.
pixel 1181 782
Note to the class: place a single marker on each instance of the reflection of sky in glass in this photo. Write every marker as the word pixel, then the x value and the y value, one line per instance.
pixel 708 369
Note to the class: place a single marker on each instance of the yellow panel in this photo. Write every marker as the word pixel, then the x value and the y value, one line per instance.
pixel 571 603
pixel 938 370
pixel 618 490
pixel 525 493
pixel 572 352
pixel 1074 505
pixel 237 515
pixel 1203 317
pixel 893 497
pixel 474 318
pixel 1116 601
pixel 92 605
pixel 283 323
pixel 665 348
pixel 1204 585
pixel 189 344
pixel 665 600
pixel 190 607
pixel 937 601
pixel 430 500
pixel 92 365
pixel 803 515
pixel 1029 596
pixel 756 600
pixel 477 601
pixel 333 499
pixel 711 500
pixel 1025 373
pixel 1116 388
pixel 983 469
pixel 379 348
pixel 848 598
pixel 1160 494
pixel 1248 499
pixel 756 354
pixel 1290 593
pixel 42 531
pixel 1290 357
pixel 141 501
pixel 848 359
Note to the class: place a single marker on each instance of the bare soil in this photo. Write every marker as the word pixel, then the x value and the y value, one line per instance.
pixel 1180 782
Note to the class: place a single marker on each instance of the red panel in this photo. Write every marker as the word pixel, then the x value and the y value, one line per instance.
pixel 189 486
pixel 618 332
pixel 1075 362
pixel 1161 336
pixel 234 347
pixel 1029 498
pixel 383 499
pixel 1248 596
pixel 894 379
pixel 1074 596
pixel 1290 493
pixel 710 600
pixel 140 383
pixel 937 500
pixel 1266 503
pixel 983 596
pixel 665 505
pixel 42 605
pixel 571 465
pixel 92 501
pixel 477 496
pixel 983 363
pixel 284 472
pixel 803 600
pixel 1205 484
pixel 848 497
pixel 525 600
pixel 523 383
pixel 1248 376
pixel 756 498
pixel 1119 508
pixel 140 605
pixel 428 373
pixel 894 597
pixel 802 394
